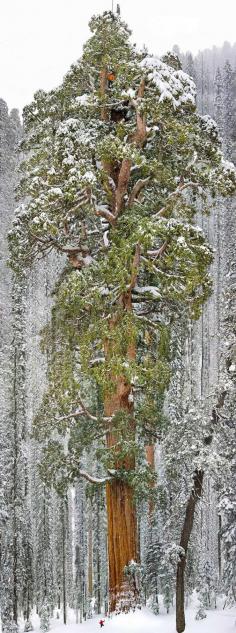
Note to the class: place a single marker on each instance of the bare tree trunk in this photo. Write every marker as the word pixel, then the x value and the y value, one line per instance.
pixel 150 456
pixel 90 553
pixel 64 530
pixel 122 544
pixel 121 511
pixel 219 547
pixel 184 542
pixel 121 514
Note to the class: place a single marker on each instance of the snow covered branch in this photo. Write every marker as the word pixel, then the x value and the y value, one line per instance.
pixel 152 291
pixel 94 480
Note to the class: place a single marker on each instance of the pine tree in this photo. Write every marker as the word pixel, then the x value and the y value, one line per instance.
pixel 117 158
pixel 12 519
pixel 219 101
pixel 227 434
pixel 228 109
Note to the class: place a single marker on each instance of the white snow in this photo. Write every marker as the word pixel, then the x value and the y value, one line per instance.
pixel 151 290
pixel 173 85
pixel 83 99
pixel 144 621
pixel 105 239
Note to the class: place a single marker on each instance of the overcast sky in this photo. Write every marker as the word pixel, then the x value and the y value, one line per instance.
pixel 39 39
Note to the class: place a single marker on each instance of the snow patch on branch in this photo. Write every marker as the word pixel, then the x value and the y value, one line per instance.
pixel 150 290
pixel 173 85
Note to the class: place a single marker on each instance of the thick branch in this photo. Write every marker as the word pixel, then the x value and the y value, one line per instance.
pixel 106 214
pixel 140 184
pixel 141 132
pixel 94 480
pixel 122 185
pixel 135 267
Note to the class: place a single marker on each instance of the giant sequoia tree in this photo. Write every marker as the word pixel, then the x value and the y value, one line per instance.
pixel 116 162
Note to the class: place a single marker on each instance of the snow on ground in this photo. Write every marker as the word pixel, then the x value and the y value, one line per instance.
pixel 217 621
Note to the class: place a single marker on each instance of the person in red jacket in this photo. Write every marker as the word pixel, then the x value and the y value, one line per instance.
pixel 101 622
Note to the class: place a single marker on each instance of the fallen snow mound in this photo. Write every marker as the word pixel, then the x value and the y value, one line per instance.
pixel 217 621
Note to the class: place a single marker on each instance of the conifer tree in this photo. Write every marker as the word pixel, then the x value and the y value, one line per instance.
pixel 219 101
pixel 116 161
pixel 227 436
pixel 12 517
pixel 228 109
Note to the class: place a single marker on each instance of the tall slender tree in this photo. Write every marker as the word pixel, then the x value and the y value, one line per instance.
pixel 116 160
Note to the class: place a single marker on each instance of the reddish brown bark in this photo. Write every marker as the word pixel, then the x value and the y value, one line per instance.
pixel 122 544
pixel 121 512
pixel 150 455
pixel 124 176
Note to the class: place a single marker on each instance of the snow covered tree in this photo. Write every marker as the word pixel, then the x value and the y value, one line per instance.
pixel 116 161
pixel 189 66
pixel 228 109
pixel 227 434
pixel 219 101
pixel 13 511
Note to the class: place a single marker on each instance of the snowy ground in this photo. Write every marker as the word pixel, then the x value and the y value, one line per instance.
pixel 217 621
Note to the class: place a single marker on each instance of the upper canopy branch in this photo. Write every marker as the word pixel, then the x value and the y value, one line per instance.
pixel 141 132
pixel 174 194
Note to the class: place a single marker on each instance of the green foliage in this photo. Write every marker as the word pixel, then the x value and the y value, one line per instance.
pixel 79 137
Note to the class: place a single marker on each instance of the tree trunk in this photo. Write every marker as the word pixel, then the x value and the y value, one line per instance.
pixel 90 553
pixel 150 456
pixel 121 517
pixel 64 528
pixel 219 547
pixel 121 511
pixel 184 542
pixel 122 544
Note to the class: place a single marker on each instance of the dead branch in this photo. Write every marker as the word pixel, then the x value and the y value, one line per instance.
pixel 106 214
pixel 159 252
pixel 139 185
